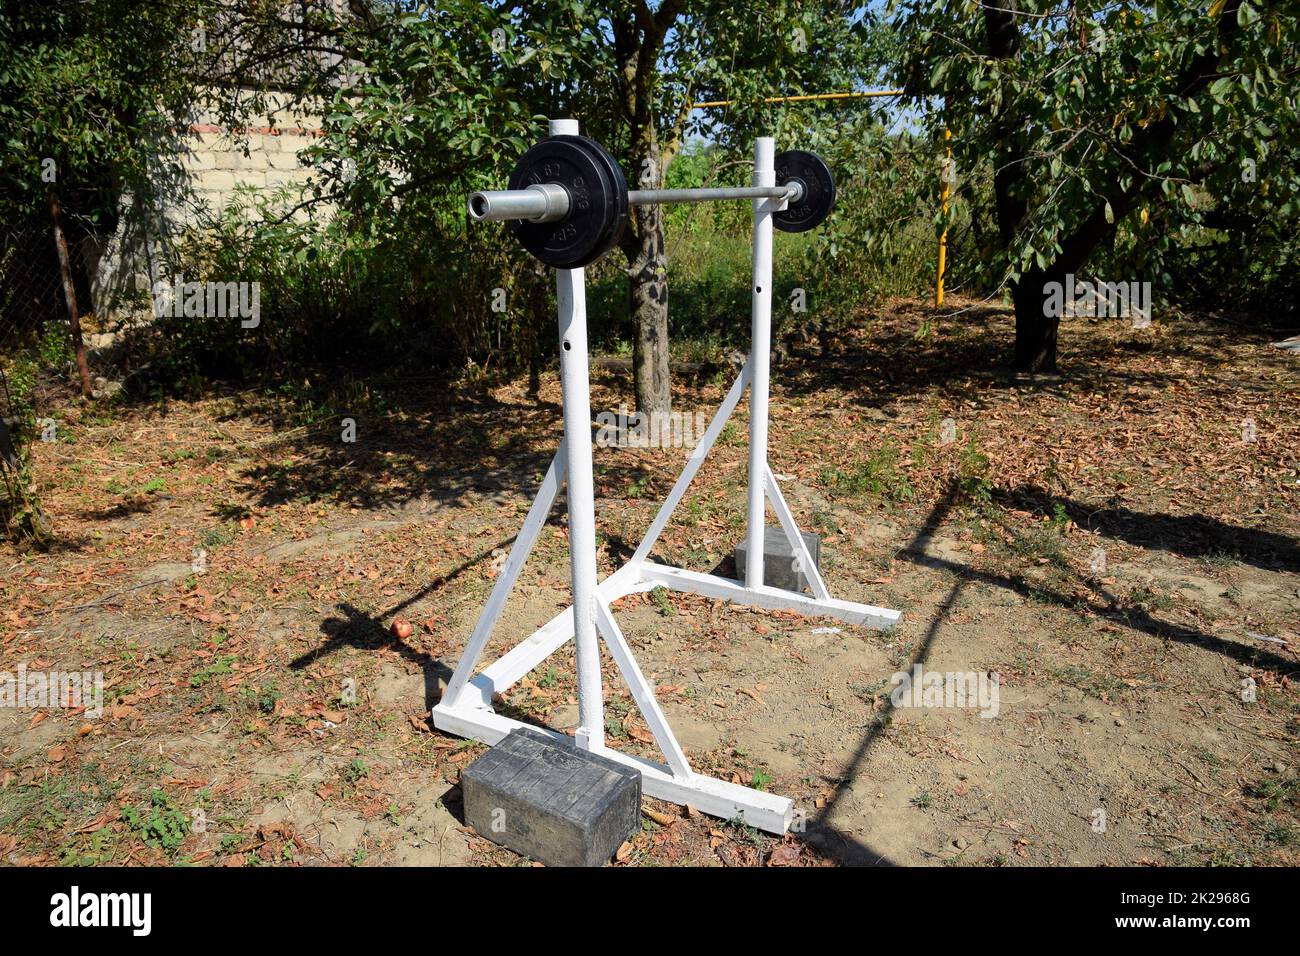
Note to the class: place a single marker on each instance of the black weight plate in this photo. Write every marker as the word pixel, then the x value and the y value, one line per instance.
pixel 597 201
pixel 818 190
pixel 619 223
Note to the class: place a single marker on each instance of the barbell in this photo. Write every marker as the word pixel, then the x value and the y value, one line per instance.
pixel 568 201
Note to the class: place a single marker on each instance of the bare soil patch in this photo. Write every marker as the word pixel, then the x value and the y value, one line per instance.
pixel 234 568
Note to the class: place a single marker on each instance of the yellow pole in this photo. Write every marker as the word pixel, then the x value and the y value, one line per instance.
pixel 945 178
pixel 803 98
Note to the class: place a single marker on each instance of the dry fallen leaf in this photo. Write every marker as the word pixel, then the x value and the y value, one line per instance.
pixel 663 819
pixel 787 854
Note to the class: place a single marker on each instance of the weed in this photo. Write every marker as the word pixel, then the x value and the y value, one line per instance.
pixel 878 475
pixel 973 473
pixel 1104 687
pixel 159 823
pixel 219 666
pixel 1276 792
pixel 214 537
pixel 659 598
pixel 1283 834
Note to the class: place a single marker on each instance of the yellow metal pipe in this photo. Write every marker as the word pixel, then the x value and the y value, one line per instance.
pixel 802 98
pixel 945 181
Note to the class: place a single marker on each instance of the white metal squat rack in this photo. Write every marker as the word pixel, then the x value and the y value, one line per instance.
pixel 466 706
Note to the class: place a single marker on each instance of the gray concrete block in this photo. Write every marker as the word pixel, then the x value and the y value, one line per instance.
pixel 550 801
pixel 778 559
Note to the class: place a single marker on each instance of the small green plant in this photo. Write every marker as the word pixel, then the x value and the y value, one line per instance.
pixel 214 537
pixel 97 850
pixel 659 598
pixel 760 779
pixel 356 771
pixel 1276 792
pixel 219 666
pixel 825 522
pixel 923 800
pixel 973 473
pixel 1148 599
pixel 262 699
pixel 549 679
pixel 744 831
pixel 54 348
pixel 879 475
pixel 159 823
pixel 1283 834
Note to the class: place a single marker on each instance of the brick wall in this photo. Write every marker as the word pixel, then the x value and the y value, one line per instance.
pixel 124 266
pixel 217 164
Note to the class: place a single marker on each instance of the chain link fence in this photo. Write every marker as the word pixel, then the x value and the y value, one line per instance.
pixel 33 311
pixel 31 290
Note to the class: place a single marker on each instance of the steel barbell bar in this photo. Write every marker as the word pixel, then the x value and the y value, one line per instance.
pixel 548 202
pixel 568 201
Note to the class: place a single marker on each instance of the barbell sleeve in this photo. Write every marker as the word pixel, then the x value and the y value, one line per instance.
pixel 540 202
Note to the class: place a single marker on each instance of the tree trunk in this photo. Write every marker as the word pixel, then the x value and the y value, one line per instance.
pixel 638 39
pixel 648 291
pixel 1035 349
pixel 70 297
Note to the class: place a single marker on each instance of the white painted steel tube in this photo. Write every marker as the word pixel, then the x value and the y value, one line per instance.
pixel 576 384
pixel 760 357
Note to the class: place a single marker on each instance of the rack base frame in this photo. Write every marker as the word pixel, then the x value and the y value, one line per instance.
pixel 469 712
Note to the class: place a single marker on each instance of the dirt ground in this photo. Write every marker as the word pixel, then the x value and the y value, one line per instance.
pixel 1119 547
